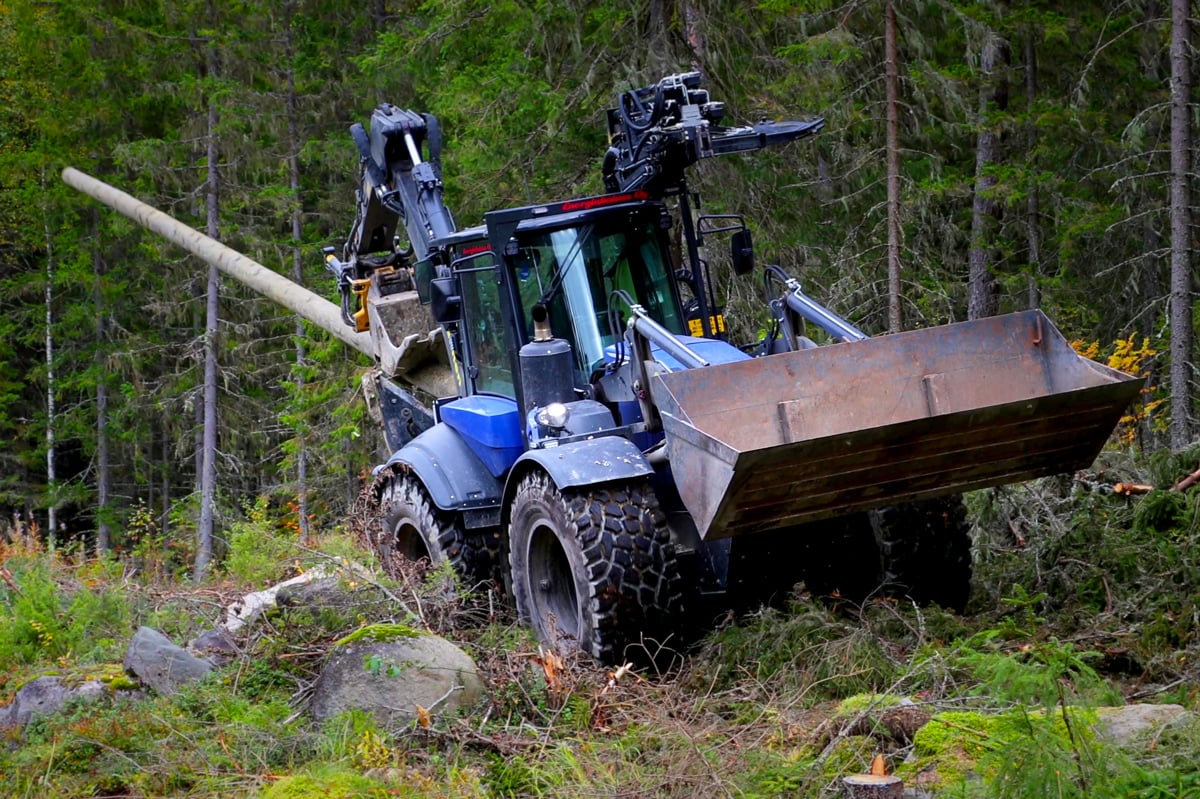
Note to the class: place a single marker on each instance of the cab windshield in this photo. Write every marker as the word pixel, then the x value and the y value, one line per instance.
pixel 574 271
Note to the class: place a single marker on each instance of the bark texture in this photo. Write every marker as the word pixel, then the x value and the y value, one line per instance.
pixel 985 211
pixel 1181 220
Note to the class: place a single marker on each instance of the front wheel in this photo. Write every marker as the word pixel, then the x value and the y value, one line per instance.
pixel 594 567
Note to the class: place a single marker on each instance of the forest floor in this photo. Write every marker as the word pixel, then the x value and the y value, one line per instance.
pixel 1083 599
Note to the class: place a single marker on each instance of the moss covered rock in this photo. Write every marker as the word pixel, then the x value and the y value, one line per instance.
pixel 394 671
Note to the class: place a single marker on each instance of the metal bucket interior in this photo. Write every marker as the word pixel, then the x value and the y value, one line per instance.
pixel 791 438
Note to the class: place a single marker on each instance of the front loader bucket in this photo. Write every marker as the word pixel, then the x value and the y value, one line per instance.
pixel 785 439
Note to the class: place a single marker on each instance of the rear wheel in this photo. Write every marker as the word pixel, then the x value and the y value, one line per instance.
pixel 925 550
pixel 917 550
pixel 841 558
pixel 593 568
pixel 412 527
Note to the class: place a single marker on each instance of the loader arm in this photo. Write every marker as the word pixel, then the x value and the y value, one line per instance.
pixel 399 185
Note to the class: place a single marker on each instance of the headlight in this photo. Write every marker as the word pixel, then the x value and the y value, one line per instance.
pixel 553 416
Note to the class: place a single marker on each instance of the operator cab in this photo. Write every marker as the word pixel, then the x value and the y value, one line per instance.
pixel 576 273
pixel 535 317
pixel 574 260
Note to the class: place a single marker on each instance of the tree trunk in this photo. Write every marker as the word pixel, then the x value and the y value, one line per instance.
pixel 658 43
pixel 1181 270
pixel 103 467
pixel 985 211
pixel 693 26
pixel 51 411
pixel 892 80
pixel 164 522
pixel 297 273
pixel 1033 230
pixel 208 477
pixel 872 786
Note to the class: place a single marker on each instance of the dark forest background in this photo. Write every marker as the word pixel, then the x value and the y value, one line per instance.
pixel 1027 155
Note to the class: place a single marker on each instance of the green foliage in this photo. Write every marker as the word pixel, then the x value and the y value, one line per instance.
pixel 1025 754
pixel 1093 560
pixel 1163 512
pixel 343 734
pixel 511 777
pixel 1042 673
pixel 727 723
pixel 807 648
pixel 376 665
pixel 43 620
pixel 1056 755
pixel 327 782
pixel 261 680
pixel 160 554
pixel 378 632
pixel 260 553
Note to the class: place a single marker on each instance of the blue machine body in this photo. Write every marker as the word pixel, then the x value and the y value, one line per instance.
pixel 491 427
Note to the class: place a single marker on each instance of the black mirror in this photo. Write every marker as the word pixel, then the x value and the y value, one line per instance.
pixel 445 301
pixel 742 250
pixel 423 273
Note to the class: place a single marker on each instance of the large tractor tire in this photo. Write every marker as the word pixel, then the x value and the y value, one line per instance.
pixel 594 568
pixel 919 551
pixel 840 559
pixel 925 551
pixel 412 527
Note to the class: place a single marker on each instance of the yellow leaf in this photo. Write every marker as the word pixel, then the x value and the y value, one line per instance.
pixel 423 718
pixel 551 664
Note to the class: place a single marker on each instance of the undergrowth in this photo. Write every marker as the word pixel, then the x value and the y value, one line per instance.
pixel 1083 600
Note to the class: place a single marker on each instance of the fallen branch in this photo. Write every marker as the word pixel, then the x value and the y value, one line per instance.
pixel 1018 536
pixel 1187 482
pixel 10 581
pixel 1129 489
pixel 248 608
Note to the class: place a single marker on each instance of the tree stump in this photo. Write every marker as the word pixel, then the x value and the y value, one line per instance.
pixel 872 786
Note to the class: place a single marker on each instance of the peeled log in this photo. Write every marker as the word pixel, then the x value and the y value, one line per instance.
pixel 313 307
pixel 872 786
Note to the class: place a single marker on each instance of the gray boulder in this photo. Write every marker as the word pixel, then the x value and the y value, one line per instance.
pixel 1129 723
pixel 42 697
pixel 216 646
pixel 392 678
pixel 160 664
pixel 326 592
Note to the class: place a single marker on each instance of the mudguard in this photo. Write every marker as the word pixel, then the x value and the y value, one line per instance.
pixel 454 475
pixel 596 460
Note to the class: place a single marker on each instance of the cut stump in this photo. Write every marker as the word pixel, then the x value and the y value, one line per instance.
pixel 872 786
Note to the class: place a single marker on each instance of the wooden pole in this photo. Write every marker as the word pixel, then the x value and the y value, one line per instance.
pixel 313 307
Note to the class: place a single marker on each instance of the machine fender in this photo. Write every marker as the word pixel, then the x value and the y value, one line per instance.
pixel 454 475
pixel 581 463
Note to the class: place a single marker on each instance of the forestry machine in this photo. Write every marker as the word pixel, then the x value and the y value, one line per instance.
pixel 576 426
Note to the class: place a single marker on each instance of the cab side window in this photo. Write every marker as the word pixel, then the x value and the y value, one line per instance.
pixel 489 367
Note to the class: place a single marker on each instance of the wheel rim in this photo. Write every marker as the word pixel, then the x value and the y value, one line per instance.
pixel 551 584
pixel 410 543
